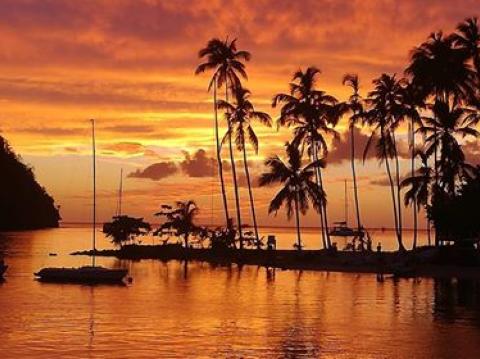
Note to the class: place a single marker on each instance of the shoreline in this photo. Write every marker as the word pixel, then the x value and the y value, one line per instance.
pixel 443 262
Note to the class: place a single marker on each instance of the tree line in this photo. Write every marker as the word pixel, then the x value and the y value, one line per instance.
pixel 436 100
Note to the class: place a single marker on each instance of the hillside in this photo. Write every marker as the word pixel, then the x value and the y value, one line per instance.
pixel 24 203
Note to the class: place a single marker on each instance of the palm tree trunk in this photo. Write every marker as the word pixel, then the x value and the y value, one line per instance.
pixel 354 176
pixel 297 218
pixel 392 192
pixel 415 206
pixel 317 178
pixel 429 237
pixel 399 196
pixel 219 157
pixel 325 216
pixel 250 192
pixel 234 174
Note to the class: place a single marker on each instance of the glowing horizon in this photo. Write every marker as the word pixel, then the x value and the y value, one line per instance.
pixel 130 65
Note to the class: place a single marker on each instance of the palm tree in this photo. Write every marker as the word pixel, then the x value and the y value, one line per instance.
pixel 356 108
pixel 442 130
pixel 385 107
pixel 419 184
pixel 298 187
pixel 312 113
pixel 179 220
pixel 467 38
pixel 240 117
pixel 440 69
pixel 226 61
pixel 411 105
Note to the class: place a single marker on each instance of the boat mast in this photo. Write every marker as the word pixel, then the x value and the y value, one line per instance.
pixel 94 214
pixel 346 204
pixel 120 190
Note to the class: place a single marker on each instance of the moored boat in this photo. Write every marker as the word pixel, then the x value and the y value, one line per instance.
pixel 86 274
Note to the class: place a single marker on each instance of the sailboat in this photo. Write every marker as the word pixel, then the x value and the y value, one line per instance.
pixel 85 274
pixel 341 229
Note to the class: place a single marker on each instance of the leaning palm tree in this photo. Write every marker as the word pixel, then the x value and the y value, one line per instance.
pixel 241 114
pixel 385 107
pixel 298 189
pixel 226 62
pixel 313 114
pixel 355 106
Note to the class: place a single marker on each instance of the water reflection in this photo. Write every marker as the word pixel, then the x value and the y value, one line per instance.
pixel 192 309
pixel 457 300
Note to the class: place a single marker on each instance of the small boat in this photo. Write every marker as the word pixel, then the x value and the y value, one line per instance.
pixel 86 274
pixel 341 229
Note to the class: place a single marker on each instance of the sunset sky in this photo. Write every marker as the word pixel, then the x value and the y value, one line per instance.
pixel 130 65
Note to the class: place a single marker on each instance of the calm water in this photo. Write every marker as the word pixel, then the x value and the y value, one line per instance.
pixel 196 310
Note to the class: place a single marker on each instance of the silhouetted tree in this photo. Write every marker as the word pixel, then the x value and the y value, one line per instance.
pixel 240 114
pixel 467 38
pixel 442 130
pixel 418 187
pixel 355 106
pixel 124 229
pixel 313 114
pixel 385 106
pixel 226 62
pixel 298 187
pixel 179 221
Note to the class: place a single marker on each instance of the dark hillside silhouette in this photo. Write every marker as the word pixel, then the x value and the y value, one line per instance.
pixel 24 204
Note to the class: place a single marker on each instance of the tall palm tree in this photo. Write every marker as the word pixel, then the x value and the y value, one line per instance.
pixel 226 61
pixel 355 106
pixel 440 69
pixel 313 114
pixel 298 189
pixel 411 105
pixel 385 107
pixel 179 220
pixel 241 113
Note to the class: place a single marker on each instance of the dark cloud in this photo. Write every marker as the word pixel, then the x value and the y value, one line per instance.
pixel 155 172
pixel 198 165
pixel 341 147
